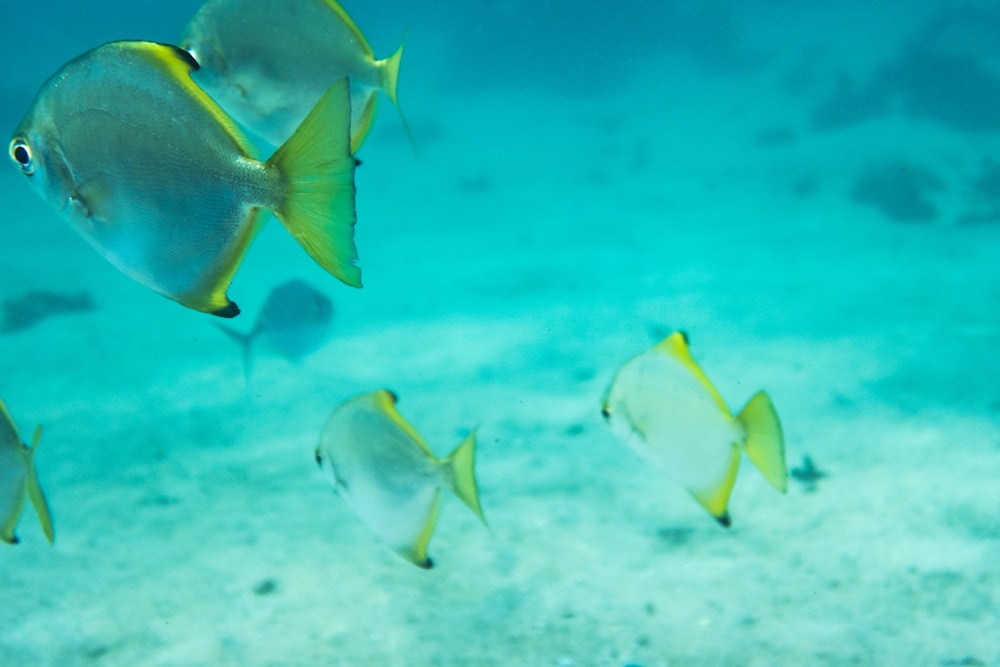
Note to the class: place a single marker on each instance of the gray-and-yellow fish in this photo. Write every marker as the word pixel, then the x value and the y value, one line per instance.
pixel 268 61
pixel 294 322
pixel 161 181
pixel 382 467
pixel 17 480
pixel 663 405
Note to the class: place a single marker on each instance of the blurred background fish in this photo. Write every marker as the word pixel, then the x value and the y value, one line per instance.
pixel 293 323
pixel 663 405
pixel 17 480
pixel 164 185
pixel 268 61
pixel 382 467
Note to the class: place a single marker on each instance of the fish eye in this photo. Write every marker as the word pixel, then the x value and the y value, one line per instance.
pixel 20 152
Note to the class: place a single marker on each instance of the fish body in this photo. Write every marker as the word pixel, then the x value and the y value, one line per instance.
pixel 18 481
pixel 294 322
pixel 268 61
pixel 382 467
pixel 663 405
pixel 161 181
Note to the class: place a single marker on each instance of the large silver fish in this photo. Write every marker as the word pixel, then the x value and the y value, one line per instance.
pixel 379 463
pixel 268 61
pixel 17 480
pixel 294 322
pixel 161 182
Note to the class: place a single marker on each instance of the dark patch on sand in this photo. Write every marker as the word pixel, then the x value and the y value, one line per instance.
pixel 900 191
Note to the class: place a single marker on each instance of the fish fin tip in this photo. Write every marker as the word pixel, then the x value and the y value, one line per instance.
pixel 228 311
pixel 765 443
pixel 318 168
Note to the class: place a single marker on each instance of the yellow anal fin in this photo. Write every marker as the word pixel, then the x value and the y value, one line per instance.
pixel 318 170
pixel 417 553
pixel 765 443
pixel 10 522
pixel 360 130
pixel 34 490
pixel 462 466
pixel 715 500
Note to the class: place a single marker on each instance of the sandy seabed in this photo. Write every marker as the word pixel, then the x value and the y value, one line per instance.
pixel 508 273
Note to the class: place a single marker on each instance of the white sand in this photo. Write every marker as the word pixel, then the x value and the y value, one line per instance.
pixel 536 243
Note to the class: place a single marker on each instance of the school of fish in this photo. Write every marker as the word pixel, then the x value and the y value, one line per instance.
pixel 150 152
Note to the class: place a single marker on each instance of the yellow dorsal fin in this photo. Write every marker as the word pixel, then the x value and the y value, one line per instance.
pixel 385 402
pixel 676 345
pixel 715 500
pixel 5 416
pixel 349 22
pixel 178 65
pixel 765 442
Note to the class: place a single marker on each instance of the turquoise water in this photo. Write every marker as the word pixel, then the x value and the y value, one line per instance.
pixel 810 193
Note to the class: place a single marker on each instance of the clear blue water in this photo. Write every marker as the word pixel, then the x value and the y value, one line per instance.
pixel 810 192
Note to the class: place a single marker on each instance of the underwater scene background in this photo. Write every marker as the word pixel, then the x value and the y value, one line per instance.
pixel 811 192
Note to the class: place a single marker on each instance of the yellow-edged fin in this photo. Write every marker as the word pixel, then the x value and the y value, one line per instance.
pixel 676 345
pixel 10 522
pixel 5 415
pixel 385 401
pixel 35 490
pixel 765 442
pixel 462 466
pixel 388 69
pixel 389 72
pixel 418 554
pixel 716 500
pixel 179 64
pixel 349 22
pixel 210 296
pixel 361 129
pixel 318 169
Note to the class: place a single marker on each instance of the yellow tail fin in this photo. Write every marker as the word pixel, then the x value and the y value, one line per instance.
pixel 318 208
pixel 35 491
pixel 462 463
pixel 765 444
pixel 389 69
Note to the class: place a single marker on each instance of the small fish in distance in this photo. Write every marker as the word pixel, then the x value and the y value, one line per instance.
pixel 294 322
